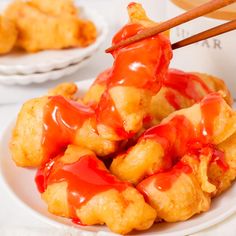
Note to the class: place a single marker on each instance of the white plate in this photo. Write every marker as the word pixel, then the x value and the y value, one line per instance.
pixel 20 184
pixel 44 61
pixel 42 77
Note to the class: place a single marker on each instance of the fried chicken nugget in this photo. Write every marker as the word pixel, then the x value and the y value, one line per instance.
pixel 67 90
pixel 176 194
pixel 25 144
pixel 55 7
pixel 48 31
pixel 181 90
pixel 79 186
pixel 220 177
pixel 32 125
pixel 162 145
pixel 135 77
pixel 8 35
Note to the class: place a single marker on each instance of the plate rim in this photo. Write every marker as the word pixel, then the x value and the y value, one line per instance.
pixel 38 78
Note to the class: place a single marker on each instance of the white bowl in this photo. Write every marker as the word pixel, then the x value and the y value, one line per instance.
pixel 44 61
pixel 20 184
pixel 42 77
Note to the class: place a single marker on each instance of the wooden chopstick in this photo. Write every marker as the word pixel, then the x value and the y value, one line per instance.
pixel 185 17
pixel 229 26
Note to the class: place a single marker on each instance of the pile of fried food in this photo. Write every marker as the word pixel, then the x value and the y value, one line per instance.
pixel 35 25
pixel 145 144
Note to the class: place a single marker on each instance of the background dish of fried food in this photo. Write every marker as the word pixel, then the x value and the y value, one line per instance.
pixel 20 62
pixel 20 183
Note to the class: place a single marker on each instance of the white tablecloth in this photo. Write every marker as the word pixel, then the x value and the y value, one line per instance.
pixel 15 220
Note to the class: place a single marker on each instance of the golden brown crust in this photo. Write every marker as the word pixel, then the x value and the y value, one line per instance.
pixel 8 35
pixel 25 144
pixel 49 31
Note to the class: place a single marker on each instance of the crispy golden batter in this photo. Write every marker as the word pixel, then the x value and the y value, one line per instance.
pixel 26 138
pixel 223 179
pixel 87 137
pixel 52 7
pixel 161 108
pixel 120 211
pixel 29 126
pixel 147 156
pixel 8 35
pixel 67 90
pixel 181 201
pixel 132 105
pixel 48 31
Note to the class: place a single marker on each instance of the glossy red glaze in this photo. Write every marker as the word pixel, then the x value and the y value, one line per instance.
pixel 173 136
pixel 61 120
pixel 108 115
pixel 179 136
pixel 77 221
pixel 103 77
pixel 187 84
pixel 164 181
pixel 173 99
pixel 86 178
pixel 210 108
pixel 141 65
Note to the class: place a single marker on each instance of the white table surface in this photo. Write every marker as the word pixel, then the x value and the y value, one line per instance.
pixel 15 220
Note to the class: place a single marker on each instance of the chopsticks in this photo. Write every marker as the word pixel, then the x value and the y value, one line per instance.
pixel 178 20
pixel 229 26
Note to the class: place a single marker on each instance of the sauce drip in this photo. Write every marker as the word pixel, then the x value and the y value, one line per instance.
pixel 173 136
pixel 108 115
pixel 103 77
pixel 141 65
pixel 179 136
pixel 85 178
pixel 173 99
pixel 61 120
pixel 164 181
pixel 188 85
pixel 210 108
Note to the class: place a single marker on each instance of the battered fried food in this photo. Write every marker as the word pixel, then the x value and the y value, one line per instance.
pixel 64 188
pixel 162 145
pixel 136 76
pixel 52 123
pixel 8 35
pixel 25 145
pixel 67 90
pixel 55 7
pixel 181 90
pixel 56 31
pixel 176 194
pixel 220 178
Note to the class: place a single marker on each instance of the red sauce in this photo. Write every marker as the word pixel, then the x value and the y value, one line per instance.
pixel 108 115
pixel 187 84
pixel 61 120
pixel 179 136
pixel 164 181
pixel 210 108
pixel 141 65
pixel 86 178
pixel 173 136
pixel 77 221
pixel 103 77
pixel 173 99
